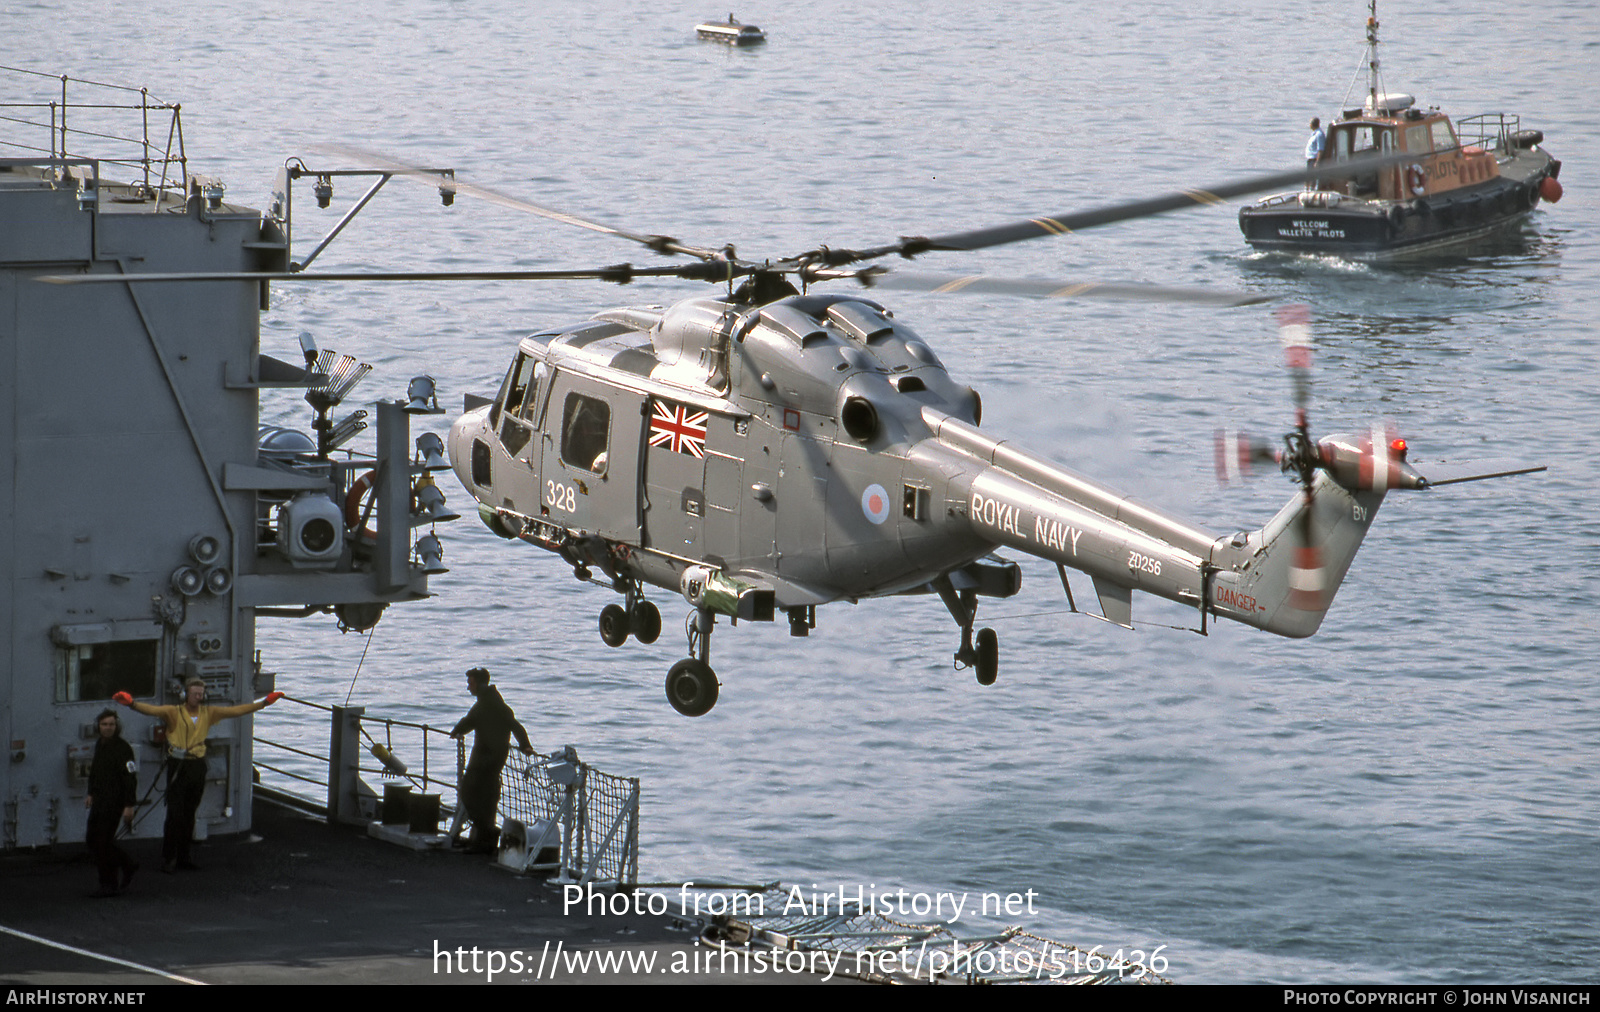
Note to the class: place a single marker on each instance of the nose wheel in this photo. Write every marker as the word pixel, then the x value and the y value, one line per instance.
pixel 692 686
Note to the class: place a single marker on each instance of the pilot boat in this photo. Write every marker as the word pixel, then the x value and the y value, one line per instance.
pixel 1402 180
pixel 730 32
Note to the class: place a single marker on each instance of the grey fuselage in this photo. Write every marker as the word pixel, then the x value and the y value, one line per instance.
pixel 816 448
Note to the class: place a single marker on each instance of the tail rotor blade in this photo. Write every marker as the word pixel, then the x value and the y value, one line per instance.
pixel 1306 578
pixel 1294 332
pixel 1237 454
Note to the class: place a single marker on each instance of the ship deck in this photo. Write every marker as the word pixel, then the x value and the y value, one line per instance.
pixel 299 901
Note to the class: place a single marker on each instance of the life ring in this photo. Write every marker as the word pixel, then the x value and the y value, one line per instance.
pixel 352 508
pixel 1416 179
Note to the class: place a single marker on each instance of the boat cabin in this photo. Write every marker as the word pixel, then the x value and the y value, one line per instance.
pixel 1392 125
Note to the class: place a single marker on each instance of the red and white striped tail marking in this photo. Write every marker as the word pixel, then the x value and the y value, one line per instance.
pixel 1380 460
pixel 1306 579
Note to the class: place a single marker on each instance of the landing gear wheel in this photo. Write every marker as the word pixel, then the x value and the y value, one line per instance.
pixel 613 625
pixel 692 687
pixel 987 662
pixel 646 622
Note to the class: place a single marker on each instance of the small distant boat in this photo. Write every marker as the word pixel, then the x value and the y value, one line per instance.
pixel 730 32
pixel 1455 183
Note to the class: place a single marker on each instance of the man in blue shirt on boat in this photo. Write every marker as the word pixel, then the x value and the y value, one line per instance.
pixel 1314 144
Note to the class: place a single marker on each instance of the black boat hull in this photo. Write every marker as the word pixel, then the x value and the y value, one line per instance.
pixel 1326 223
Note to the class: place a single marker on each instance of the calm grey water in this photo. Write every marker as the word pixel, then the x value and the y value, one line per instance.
pixel 1410 796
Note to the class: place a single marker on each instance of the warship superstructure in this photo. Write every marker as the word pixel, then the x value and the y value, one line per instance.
pixel 148 519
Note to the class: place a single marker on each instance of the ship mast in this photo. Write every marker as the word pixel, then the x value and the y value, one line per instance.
pixel 1374 72
pixel 1372 55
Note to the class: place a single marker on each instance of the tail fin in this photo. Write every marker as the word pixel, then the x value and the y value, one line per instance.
pixel 1268 584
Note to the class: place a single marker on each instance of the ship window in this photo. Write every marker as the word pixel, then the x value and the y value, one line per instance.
pixel 1443 136
pixel 98 670
pixel 1361 139
pixel 1417 138
pixel 585 433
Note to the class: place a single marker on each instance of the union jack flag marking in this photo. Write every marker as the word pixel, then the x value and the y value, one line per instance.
pixel 678 428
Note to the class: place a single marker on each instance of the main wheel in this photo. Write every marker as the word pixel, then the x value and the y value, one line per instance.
pixel 987 663
pixel 692 687
pixel 613 625
pixel 646 622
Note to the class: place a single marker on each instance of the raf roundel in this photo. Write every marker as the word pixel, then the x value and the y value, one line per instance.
pixel 875 504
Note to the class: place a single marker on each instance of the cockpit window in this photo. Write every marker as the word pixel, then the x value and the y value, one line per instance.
pixel 517 392
pixel 585 433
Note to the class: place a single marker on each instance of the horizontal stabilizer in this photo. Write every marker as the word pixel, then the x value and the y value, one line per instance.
pixel 1478 470
pixel 1116 602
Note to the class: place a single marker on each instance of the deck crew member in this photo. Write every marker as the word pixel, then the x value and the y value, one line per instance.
pixel 492 723
pixel 113 792
pixel 187 727
pixel 1314 145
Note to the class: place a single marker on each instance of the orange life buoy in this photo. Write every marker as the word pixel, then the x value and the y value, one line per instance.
pixel 1416 179
pixel 352 508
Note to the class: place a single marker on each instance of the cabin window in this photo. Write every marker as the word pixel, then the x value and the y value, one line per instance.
pixel 1417 138
pixel 98 670
pixel 585 433
pixel 1443 137
pixel 1361 139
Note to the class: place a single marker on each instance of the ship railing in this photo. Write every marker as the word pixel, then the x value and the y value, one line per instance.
pixel 1491 131
pixel 140 132
pixel 557 814
pixel 391 750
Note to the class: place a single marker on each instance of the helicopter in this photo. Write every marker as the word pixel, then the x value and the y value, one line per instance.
pixel 768 450
pixel 771 449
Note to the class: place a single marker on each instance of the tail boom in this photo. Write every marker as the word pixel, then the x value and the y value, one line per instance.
pixel 1011 497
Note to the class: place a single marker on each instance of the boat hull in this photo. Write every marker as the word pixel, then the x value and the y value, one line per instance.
pixel 1330 223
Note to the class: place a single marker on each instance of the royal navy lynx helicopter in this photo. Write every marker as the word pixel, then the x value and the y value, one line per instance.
pixel 773 448
pixel 770 449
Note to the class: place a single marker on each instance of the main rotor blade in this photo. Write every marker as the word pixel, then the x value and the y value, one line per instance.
pixel 981 284
pixel 620 274
pixel 1077 221
pixel 662 244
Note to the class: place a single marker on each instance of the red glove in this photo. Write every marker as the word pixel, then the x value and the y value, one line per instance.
pixel 273 697
pixel 124 698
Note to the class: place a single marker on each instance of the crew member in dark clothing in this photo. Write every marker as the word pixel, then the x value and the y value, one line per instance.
pixel 492 724
pixel 113 792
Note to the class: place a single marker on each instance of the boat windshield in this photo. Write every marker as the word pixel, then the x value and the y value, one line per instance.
pixel 1352 140
pixel 1443 137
